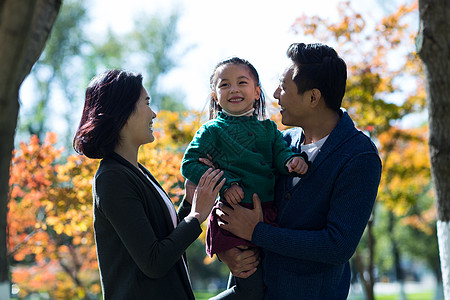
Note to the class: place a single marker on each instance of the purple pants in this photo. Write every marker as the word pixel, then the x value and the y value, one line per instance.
pixel 218 239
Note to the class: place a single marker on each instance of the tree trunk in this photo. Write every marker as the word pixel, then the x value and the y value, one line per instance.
pixel 433 47
pixel 25 26
pixel 367 275
pixel 399 274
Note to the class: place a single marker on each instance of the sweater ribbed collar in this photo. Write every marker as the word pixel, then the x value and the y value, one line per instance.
pixel 223 115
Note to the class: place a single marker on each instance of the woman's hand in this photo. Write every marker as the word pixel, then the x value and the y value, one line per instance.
pixel 206 193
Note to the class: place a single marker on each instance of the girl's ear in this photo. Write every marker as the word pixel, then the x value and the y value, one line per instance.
pixel 258 92
pixel 213 95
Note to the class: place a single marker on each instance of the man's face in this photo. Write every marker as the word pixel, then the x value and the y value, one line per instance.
pixel 293 105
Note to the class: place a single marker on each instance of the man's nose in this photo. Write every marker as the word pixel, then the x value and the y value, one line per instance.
pixel 276 94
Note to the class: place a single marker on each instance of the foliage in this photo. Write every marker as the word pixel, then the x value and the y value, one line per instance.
pixel 406 168
pixel 50 222
pixel 173 132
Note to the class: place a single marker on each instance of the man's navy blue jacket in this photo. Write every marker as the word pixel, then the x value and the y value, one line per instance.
pixel 322 218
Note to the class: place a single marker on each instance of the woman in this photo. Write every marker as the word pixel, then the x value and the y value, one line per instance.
pixel 139 237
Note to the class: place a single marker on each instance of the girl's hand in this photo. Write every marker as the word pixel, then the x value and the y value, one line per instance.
pixel 207 161
pixel 298 165
pixel 234 194
pixel 206 193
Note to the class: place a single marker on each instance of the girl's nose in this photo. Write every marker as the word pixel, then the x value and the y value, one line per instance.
pixel 234 88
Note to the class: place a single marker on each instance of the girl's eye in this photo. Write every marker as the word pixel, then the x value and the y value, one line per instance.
pixel 243 82
pixel 223 85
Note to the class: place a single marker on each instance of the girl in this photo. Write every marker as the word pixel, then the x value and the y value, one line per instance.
pixel 250 151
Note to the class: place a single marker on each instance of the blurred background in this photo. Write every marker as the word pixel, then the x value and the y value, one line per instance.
pixel 175 45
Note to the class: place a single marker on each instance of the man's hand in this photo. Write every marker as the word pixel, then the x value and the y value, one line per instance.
pixel 239 220
pixel 242 260
pixel 234 194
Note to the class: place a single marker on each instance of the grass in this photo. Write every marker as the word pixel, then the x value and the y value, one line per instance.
pixel 203 295
pixel 415 296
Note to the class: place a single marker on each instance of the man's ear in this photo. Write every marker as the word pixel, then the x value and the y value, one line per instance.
pixel 316 95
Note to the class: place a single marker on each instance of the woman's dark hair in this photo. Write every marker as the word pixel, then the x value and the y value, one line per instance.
pixel 110 99
pixel 319 66
pixel 259 105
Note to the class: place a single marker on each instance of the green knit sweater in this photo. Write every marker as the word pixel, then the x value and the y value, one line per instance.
pixel 249 151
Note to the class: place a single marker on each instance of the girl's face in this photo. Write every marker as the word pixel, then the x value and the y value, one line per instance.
pixel 235 89
pixel 138 129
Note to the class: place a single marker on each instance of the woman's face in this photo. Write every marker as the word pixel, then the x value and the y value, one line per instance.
pixel 139 127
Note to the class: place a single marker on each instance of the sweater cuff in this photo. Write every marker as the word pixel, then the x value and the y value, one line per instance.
pixel 184 209
pixel 193 221
pixel 258 232
pixel 190 219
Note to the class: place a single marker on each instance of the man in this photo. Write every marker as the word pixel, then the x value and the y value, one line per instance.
pixel 322 216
